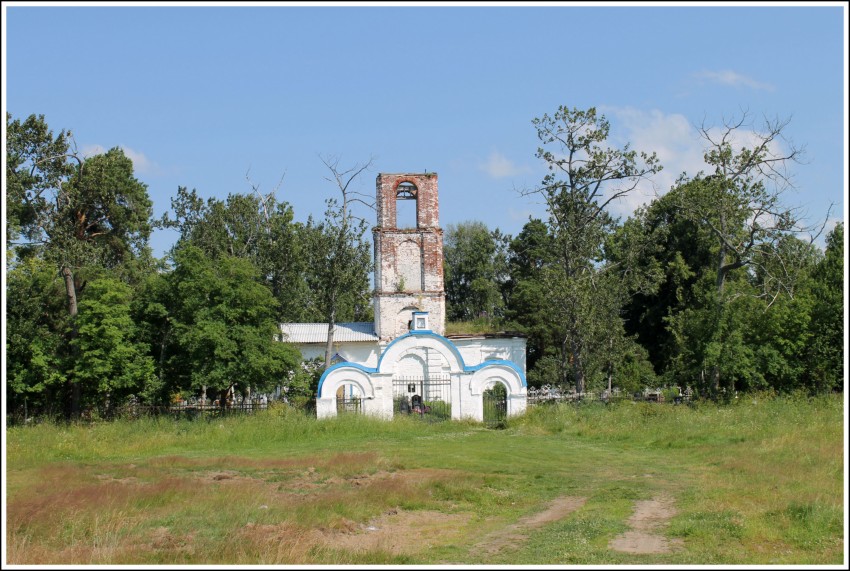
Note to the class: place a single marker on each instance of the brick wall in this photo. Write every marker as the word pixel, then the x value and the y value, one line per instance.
pixel 408 262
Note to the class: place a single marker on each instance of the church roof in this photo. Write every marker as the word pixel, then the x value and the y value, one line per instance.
pixel 318 332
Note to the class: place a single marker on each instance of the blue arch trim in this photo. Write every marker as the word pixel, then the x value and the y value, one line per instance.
pixel 329 370
pixel 423 333
pixel 502 362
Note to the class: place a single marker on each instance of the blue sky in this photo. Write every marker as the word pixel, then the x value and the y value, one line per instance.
pixel 198 95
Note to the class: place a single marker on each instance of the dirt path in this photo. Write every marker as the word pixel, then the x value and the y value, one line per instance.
pixel 516 533
pixel 649 517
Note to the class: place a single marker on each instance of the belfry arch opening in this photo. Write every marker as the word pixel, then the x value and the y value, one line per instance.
pixel 406 204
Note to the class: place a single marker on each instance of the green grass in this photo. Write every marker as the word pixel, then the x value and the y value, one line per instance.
pixel 757 482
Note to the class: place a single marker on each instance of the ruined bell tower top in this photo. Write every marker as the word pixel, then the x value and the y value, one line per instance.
pixel 408 253
pixel 421 188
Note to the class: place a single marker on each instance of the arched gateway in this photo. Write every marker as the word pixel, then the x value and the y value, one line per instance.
pixel 402 363
pixel 445 385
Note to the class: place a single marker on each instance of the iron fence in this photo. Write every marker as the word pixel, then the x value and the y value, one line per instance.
pixel 428 397
pixel 548 394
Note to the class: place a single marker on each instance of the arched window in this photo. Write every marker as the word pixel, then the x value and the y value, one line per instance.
pixel 406 195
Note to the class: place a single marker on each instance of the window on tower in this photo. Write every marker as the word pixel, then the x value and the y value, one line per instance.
pixel 406 205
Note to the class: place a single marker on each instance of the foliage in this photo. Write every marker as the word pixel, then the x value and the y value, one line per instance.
pixel 474 269
pixel 111 363
pixel 825 352
pixel 36 320
pixel 584 294
pixel 253 227
pixel 82 215
pixel 224 325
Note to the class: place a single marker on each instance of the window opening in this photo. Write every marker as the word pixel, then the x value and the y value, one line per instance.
pixel 406 205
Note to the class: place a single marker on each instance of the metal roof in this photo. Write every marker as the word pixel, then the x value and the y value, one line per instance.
pixel 318 332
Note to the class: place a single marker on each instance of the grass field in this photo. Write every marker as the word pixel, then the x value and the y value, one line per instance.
pixel 757 482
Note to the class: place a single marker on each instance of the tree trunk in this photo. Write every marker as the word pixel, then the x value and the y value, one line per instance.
pixel 578 367
pixel 162 346
pixel 329 347
pixel 71 294
pixel 721 277
pixel 70 290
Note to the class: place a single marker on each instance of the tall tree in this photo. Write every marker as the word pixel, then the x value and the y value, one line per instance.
pixel 80 214
pixel 111 364
pixel 683 253
pixel 255 227
pixel 585 178
pixel 740 205
pixel 36 321
pixel 527 309
pixel 826 354
pixel 474 270
pixel 225 326
pixel 340 259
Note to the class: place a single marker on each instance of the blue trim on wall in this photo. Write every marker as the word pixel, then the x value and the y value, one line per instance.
pixel 424 333
pixel 332 368
pixel 503 362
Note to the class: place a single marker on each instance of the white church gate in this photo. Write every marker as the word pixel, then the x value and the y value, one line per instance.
pixel 409 368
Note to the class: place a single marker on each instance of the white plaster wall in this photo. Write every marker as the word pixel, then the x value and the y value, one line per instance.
pixel 364 353
pixel 376 391
pixel 479 349
pixel 472 387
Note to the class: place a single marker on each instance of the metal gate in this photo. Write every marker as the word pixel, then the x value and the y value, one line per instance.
pixel 349 405
pixel 348 400
pixel 496 406
pixel 429 398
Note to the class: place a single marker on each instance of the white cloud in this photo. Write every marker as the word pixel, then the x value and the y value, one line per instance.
pixel 729 77
pixel 92 150
pixel 674 140
pixel 142 165
pixel 678 144
pixel 499 166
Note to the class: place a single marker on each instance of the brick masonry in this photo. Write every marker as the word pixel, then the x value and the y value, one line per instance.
pixel 408 261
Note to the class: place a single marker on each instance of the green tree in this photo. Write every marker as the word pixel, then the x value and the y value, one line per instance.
pixel 825 357
pixel 225 327
pixel 474 269
pixel 339 256
pixel 740 206
pixel 527 308
pixel 36 320
pixel 585 177
pixel 255 227
pixel 111 364
pixel 83 216
pixel 682 253
pixel 36 164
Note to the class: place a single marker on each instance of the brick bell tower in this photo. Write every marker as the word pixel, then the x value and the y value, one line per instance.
pixel 408 256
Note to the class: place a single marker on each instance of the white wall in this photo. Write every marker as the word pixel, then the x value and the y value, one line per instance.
pixel 479 349
pixel 364 353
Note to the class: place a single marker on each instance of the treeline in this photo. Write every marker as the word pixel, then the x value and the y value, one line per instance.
pixel 712 285
pixel 94 319
pixel 716 285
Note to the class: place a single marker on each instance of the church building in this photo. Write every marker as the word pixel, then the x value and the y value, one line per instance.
pixel 403 363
